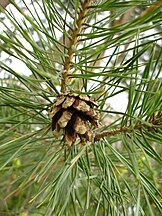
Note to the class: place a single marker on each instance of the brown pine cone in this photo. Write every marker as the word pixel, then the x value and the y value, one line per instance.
pixel 74 114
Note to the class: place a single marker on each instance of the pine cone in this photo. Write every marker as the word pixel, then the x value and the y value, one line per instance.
pixel 74 114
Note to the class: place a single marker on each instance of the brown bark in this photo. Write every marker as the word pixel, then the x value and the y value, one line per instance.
pixel 4 3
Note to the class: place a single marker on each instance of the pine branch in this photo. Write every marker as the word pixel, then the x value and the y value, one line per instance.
pixel 152 124
pixel 50 178
pixel 4 3
pixel 153 7
pixel 73 41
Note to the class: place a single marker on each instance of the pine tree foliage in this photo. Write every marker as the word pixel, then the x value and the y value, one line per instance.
pixel 94 48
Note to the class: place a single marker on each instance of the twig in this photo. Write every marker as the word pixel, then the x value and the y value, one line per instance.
pixel 151 125
pixel 73 42
pixel 4 3
pixel 151 8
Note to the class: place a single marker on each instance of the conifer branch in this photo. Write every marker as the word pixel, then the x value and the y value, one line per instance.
pixel 151 8
pixel 4 3
pixel 152 124
pixel 73 41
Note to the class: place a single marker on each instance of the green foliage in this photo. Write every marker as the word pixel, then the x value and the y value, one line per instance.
pixel 120 173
